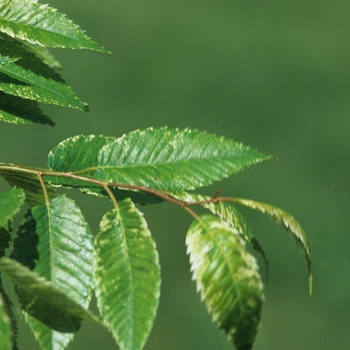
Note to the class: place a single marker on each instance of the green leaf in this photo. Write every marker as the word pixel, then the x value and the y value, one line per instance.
pixel 26 84
pixel 127 275
pixel 75 154
pixel 168 159
pixel 28 182
pixel 233 217
pixel 58 242
pixel 5 239
pixel 10 203
pixel 78 153
pixel 227 277
pixel 27 59
pixel 9 309
pixel 5 329
pixel 43 291
pixel 16 110
pixel 43 54
pixel 289 224
pixel 43 25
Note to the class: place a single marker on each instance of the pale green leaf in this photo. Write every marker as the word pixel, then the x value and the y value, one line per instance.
pixel 169 159
pixel 10 203
pixel 127 275
pixel 26 84
pixel 232 216
pixel 43 53
pixel 57 241
pixel 227 278
pixel 289 223
pixel 28 182
pixel 5 328
pixel 43 25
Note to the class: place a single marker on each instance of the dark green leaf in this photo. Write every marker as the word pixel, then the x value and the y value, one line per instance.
pixel 5 239
pixel 10 203
pixel 26 84
pixel 289 223
pixel 28 182
pixel 227 277
pixel 127 275
pixel 5 329
pixel 57 241
pixel 9 309
pixel 42 290
pixel 26 58
pixel 16 110
pixel 43 25
pixel 166 159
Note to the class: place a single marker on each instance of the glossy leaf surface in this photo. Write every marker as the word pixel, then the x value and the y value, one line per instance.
pixel 227 278
pixel 289 224
pixel 56 242
pixel 172 159
pixel 127 275
pixel 43 25
pixel 26 84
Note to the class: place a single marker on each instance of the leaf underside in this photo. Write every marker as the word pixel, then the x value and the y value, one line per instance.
pixel 127 275
pixel 289 223
pixel 227 278
pixel 228 213
pixel 29 183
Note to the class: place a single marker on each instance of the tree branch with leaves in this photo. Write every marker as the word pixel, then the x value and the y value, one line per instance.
pixel 56 262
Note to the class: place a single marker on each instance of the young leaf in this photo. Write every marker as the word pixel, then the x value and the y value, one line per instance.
pixel 5 328
pixel 127 275
pixel 10 203
pixel 233 217
pixel 289 223
pixel 26 84
pixel 172 159
pixel 29 183
pixel 57 241
pixel 43 25
pixel 227 277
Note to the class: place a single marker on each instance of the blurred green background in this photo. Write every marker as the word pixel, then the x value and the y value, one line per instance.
pixel 271 74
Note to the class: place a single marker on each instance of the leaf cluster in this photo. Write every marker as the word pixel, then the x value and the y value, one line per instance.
pixel 57 262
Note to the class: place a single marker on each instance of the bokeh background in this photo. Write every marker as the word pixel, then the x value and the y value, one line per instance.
pixel 271 74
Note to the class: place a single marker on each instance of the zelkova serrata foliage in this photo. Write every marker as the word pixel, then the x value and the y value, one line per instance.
pixel 56 263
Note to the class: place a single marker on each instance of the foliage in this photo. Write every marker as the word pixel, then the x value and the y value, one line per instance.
pixel 56 262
